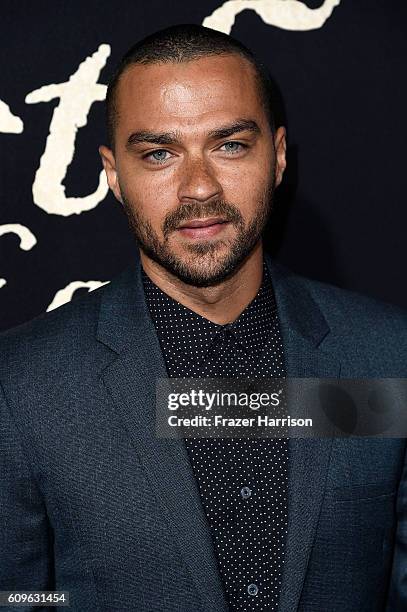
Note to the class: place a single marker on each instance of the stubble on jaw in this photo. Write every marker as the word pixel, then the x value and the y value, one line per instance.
pixel 213 267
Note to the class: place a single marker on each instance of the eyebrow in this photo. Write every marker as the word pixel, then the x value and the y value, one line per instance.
pixel 169 138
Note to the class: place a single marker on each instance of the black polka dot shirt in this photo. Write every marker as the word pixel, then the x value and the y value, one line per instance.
pixel 243 482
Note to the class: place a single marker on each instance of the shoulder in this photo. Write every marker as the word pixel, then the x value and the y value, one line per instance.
pixel 371 330
pixel 341 306
pixel 52 343
pixel 362 330
pixel 65 321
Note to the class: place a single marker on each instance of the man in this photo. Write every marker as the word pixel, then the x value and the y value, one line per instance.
pixel 92 501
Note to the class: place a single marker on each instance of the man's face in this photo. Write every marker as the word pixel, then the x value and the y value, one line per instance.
pixel 194 164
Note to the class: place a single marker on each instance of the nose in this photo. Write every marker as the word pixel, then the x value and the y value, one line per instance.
pixel 198 181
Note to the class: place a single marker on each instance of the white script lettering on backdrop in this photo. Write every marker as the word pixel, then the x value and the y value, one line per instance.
pixel 9 123
pixel 27 238
pixel 76 96
pixel 284 14
pixel 65 295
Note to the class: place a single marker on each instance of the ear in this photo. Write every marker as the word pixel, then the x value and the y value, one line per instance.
pixel 109 164
pixel 280 148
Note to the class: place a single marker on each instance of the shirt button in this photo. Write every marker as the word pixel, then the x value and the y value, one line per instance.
pixel 253 589
pixel 245 492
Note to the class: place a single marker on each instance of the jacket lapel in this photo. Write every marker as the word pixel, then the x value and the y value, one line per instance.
pixel 125 326
pixel 304 330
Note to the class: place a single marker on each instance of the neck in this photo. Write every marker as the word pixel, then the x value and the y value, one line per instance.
pixel 222 303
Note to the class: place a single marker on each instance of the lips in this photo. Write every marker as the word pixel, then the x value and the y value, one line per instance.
pixel 202 222
pixel 203 228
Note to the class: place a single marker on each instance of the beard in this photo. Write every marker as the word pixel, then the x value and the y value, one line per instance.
pixel 205 263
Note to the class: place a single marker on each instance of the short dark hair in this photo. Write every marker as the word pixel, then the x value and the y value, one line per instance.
pixel 182 43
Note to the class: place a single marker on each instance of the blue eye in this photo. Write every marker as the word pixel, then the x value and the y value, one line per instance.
pixel 158 156
pixel 233 147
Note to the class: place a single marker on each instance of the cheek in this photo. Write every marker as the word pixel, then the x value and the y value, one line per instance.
pixel 245 187
pixel 150 199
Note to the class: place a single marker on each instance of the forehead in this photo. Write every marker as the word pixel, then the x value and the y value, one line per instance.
pixel 188 94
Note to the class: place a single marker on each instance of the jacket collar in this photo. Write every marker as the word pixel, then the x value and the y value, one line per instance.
pixel 124 314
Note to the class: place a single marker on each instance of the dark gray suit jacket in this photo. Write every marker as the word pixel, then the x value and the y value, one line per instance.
pixel 93 503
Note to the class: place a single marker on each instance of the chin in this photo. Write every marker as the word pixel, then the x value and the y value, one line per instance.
pixel 204 274
pixel 199 281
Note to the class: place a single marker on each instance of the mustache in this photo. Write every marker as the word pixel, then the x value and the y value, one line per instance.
pixel 194 210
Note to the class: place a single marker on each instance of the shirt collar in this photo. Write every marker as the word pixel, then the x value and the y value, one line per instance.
pixel 175 321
